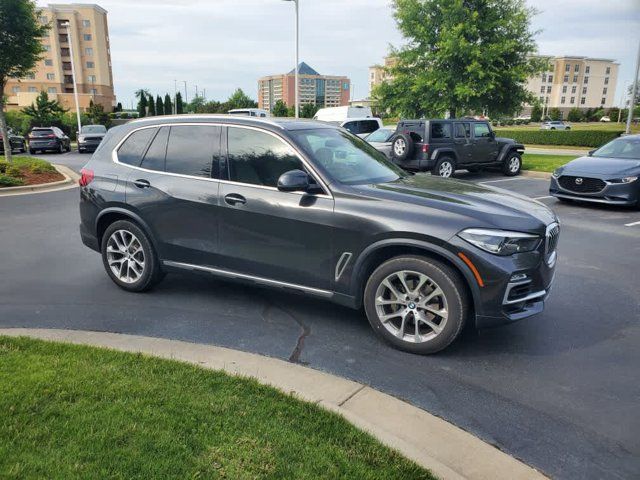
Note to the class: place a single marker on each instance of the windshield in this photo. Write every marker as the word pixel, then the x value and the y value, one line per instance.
pixel 347 158
pixel 94 129
pixel 380 135
pixel 627 148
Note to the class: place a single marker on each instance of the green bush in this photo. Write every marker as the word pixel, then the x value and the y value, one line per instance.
pixel 3 166
pixel 572 138
pixel 13 171
pixel 6 181
pixel 575 115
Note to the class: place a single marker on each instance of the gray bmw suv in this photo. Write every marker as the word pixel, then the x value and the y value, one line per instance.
pixel 310 208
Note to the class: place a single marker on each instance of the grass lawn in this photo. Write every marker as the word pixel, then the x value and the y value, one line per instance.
pixel 80 412
pixel 601 126
pixel 544 163
pixel 27 171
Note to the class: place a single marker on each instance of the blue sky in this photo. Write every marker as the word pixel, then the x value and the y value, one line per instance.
pixel 220 45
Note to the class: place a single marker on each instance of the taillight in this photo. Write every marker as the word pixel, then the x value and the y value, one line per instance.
pixel 425 148
pixel 86 177
pixel 51 136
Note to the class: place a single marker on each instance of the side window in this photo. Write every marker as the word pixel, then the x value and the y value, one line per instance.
pixel 368 126
pixel 352 127
pixel 459 131
pixel 258 158
pixel 154 158
pixel 481 130
pixel 440 130
pixel 133 148
pixel 191 150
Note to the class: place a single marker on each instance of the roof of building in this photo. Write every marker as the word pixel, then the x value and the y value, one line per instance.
pixel 304 69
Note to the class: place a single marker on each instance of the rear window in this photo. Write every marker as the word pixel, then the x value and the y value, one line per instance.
pixel 134 147
pixel 440 130
pixel 41 133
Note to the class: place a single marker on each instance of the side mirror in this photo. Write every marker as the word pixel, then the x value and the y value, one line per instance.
pixel 591 151
pixel 492 135
pixel 293 181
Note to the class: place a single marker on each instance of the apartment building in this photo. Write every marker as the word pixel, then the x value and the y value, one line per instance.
pixel 314 88
pixel 575 82
pixel 89 42
pixel 377 73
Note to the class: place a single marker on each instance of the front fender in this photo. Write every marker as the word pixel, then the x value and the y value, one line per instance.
pixel 504 151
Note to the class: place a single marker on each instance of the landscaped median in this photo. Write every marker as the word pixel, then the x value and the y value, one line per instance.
pixel 27 171
pixel 73 411
pixel 544 163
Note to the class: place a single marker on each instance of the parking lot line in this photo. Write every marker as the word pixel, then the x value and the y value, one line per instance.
pixel 632 224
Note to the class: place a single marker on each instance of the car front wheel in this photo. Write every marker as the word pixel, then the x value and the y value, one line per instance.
pixel 416 304
pixel 512 165
pixel 129 257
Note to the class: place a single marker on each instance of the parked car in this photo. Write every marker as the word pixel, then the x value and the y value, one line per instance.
pixel 17 142
pixel 381 140
pixel 605 119
pixel 90 137
pixel 609 174
pixel 555 125
pixel 444 146
pixel 308 207
pixel 361 126
pixel 340 114
pixel 46 139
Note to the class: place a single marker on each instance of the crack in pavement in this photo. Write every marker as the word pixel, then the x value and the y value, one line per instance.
pixel 306 330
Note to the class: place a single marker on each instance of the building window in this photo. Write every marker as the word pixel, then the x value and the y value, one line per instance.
pixel 91 78
pixel 52 90
pixel 94 91
pixel 86 23
pixel 608 70
pixel 91 65
pixel 33 89
pixel 30 76
pixel 587 69
pixel 565 79
pixel 567 67
pixel 576 68
pixel 586 80
pixel 606 80
pixel 572 100
pixel 603 101
pixel 48 62
pixel 550 78
pixel 573 89
pixel 544 77
pixel 563 100
pixel 15 89
pixel 575 78
pixel 584 90
pixel 604 91
pixel 542 89
pixel 51 76
pixel 582 100
pixel 88 51
pixel 564 89
pixel 549 89
pixel 87 37
pixel 47 48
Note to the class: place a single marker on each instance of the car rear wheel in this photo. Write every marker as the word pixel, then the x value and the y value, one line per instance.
pixel 512 165
pixel 416 304
pixel 61 148
pixel 444 167
pixel 32 151
pixel 129 257
pixel 402 147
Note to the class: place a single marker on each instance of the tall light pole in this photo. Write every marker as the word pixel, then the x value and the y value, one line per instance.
pixel 175 97
pixel 73 75
pixel 186 99
pixel 297 86
pixel 634 91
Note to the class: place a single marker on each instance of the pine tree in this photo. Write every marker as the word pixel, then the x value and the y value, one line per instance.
pixel 168 107
pixel 152 107
pixel 179 104
pixel 159 106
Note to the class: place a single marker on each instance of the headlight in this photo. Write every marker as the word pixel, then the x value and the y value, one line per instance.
pixel 500 242
pixel 81 138
pixel 623 180
pixel 557 172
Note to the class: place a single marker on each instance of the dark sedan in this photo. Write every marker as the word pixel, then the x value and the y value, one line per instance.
pixel 609 174
pixel 90 137
pixel 17 142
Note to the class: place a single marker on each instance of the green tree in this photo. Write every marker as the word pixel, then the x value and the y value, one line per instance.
pixel 118 107
pixel 44 112
pixel 97 115
pixel 159 106
pixel 20 49
pixel 536 113
pixel 142 105
pixel 168 106
pixel 554 114
pixel 291 111
pixel 151 106
pixel 196 105
pixel 575 115
pixel 179 104
pixel 279 109
pixel 461 56
pixel 308 110
pixel 239 99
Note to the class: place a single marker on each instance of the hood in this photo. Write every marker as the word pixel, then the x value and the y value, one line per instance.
pixel 601 166
pixel 505 140
pixel 488 206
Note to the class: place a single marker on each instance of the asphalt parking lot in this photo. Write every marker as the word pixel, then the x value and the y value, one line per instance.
pixel 560 391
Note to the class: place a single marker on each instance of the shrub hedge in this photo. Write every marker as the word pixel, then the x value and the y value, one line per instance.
pixel 572 138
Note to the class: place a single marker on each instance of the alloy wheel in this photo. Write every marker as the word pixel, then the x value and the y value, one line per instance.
pixel 514 164
pixel 445 170
pixel 125 256
pixel 411 306
pixel 399 147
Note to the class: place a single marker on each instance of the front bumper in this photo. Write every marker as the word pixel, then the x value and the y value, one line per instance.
pixel 89 145
pixel 612 193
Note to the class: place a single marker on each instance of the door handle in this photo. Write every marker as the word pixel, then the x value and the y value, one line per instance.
pixel 234 199
pixel 142 183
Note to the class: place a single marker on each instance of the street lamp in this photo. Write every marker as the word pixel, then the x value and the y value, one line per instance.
pixel 634 91
pixel 297 87
pixel 73 75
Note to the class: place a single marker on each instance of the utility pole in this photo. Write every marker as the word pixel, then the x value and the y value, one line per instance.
pixel 196 91
pixel 634 90
pixel 186 99
pixel 175 97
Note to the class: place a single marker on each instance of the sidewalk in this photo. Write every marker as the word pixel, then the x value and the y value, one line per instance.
pixel 446 450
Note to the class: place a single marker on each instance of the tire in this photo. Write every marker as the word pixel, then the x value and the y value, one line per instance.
pixel 568 128
pixel 444 167
pixel 32 151
pixel 512 164
pixel 552 128
pixel 114 246
pixel 61 148
pixel 402 147
pixel 452 300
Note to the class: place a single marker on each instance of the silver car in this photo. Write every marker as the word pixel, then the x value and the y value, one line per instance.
pixel 555 125
pixel 381 140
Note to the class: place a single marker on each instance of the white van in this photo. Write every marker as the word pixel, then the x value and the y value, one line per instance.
pixel 249 112
pixel 340 114
pixel 361 126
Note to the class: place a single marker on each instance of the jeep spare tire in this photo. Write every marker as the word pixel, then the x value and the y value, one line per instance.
pixel 402 147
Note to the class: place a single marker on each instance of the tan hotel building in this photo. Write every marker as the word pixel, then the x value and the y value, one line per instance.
pixel 91 55
pixel 320 90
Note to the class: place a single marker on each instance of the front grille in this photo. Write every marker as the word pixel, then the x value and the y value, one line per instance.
pixel 581 184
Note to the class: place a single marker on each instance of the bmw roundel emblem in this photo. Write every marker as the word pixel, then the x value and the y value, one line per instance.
pixel 578 181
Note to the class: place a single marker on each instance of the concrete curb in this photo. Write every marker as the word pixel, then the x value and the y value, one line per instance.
pixel 534 174
pixel 70 181
pixel 446 450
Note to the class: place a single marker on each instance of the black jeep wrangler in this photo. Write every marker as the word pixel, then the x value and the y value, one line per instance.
pixel 443 146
